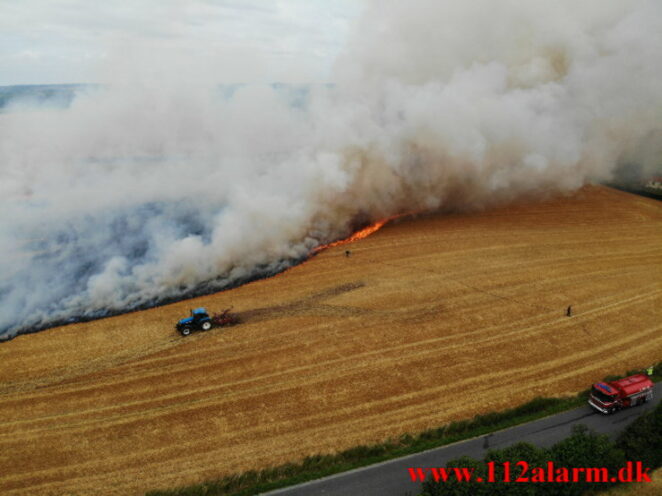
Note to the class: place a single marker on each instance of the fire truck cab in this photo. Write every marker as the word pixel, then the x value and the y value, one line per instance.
pixel 608 397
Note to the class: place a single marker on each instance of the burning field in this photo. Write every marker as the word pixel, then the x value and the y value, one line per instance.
pixel 425 321
pixel 178 176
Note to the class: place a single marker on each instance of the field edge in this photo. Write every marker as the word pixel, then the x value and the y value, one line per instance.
pixel 323 465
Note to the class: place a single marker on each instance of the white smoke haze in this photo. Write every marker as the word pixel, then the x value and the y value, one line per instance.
pixel 156 185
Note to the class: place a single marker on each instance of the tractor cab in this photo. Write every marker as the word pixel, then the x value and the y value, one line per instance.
pixel 199 314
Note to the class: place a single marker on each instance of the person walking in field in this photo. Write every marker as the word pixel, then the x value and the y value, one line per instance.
pixel 568 312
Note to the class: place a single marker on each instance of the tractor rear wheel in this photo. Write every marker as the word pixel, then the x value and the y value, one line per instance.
pixel 206 326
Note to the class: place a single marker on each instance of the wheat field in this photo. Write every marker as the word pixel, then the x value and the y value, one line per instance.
pixel 426 321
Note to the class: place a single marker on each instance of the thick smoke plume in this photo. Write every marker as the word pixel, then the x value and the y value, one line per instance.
pixel 152 187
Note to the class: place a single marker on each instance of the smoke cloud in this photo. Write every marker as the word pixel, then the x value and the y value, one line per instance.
pixel 157 186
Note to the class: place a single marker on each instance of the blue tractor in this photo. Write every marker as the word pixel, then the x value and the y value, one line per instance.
pixel 201 321
pixel 198 321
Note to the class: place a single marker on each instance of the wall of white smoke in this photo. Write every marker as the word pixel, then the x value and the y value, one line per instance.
pixel 145 190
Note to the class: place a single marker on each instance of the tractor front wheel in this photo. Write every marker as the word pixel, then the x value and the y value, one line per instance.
pixel 186 331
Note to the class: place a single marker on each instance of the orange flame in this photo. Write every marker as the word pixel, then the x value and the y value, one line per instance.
pixel 363 233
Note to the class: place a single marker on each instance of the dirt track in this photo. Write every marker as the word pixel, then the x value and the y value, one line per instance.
pixel 427 321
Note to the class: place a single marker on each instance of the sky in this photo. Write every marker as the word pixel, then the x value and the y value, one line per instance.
pixel 228 41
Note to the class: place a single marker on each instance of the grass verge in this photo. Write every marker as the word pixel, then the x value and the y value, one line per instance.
pixel 317 466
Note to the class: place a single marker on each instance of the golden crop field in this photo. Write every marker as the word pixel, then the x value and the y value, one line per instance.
pixel 428 320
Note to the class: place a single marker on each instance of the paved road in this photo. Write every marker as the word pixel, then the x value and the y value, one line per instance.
pixel 391 478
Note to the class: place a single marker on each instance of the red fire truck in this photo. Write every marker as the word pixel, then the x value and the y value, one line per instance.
pixel 607 397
